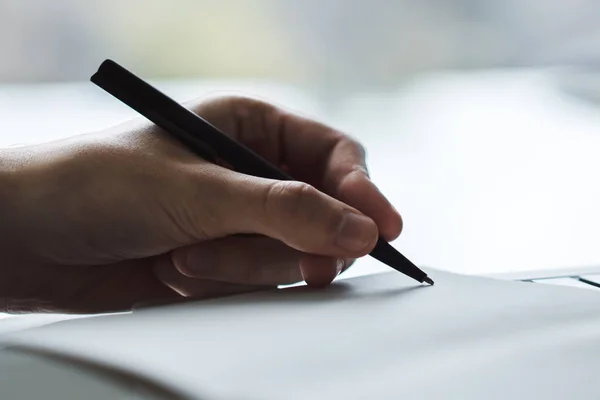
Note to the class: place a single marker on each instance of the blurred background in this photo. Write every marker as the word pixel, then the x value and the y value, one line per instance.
pixel 334 46
pixel 480 117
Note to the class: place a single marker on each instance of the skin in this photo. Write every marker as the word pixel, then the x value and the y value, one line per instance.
pixel 104 221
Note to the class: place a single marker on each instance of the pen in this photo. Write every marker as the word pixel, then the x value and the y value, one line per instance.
pixel 211 144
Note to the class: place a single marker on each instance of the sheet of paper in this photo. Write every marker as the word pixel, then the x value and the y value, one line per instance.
pixel 376 337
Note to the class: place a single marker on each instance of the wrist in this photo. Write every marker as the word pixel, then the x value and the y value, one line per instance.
pixel 9 243
pixel 8 191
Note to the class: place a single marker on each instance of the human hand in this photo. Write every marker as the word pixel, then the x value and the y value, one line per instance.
pixel 103 221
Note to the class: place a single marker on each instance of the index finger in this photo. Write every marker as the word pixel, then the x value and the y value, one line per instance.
pixel 336 164
pixel 310 151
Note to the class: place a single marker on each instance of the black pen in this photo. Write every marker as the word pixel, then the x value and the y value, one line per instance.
pixel 211 144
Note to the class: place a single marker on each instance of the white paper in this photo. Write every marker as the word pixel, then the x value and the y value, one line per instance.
pixel 377 337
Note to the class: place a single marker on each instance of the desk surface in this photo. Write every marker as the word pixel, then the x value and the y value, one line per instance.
pixel 494 172
pixel 381 337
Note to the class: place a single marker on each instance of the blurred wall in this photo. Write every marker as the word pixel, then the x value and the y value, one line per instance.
pixel 328 43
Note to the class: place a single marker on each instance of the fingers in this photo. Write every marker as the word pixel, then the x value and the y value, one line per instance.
pixel 171 277
pixel 312 152
pixel 293 212
pixel 343 174
pixel 357 190
pixel 347 179
pixel 334 163
pixel 255 260
pixel 320 271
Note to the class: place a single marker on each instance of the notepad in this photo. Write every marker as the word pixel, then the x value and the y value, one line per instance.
pixel 375 337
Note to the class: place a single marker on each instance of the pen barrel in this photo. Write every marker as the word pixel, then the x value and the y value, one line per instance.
pixel 384 252
pixel 193 131
pixel 210 143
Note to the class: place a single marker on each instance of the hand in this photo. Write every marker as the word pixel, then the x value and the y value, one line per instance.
pixel 102 221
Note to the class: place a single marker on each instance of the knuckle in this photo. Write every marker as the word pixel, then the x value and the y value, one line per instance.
pixel 178 259
pixel 186 268
pixel 299 210
pixel 205 262
pixel 295 209
pixel 358 147
pixel 299 203
pixel 333 224
pixel 289 197
pixel 244 107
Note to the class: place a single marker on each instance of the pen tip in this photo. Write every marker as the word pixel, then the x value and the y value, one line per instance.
pixel 428 280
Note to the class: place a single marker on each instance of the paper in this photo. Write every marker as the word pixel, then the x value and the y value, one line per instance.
pixel 377 337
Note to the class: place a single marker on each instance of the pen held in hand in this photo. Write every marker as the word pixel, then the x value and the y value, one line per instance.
pixel 211 144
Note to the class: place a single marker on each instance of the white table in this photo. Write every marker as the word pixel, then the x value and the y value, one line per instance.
pixel 493 171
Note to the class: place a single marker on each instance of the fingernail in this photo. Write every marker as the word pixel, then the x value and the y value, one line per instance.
pixel 198 261
pixel 339 266
pixel 356 232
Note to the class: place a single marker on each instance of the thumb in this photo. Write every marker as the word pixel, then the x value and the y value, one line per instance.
pixel 298 215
